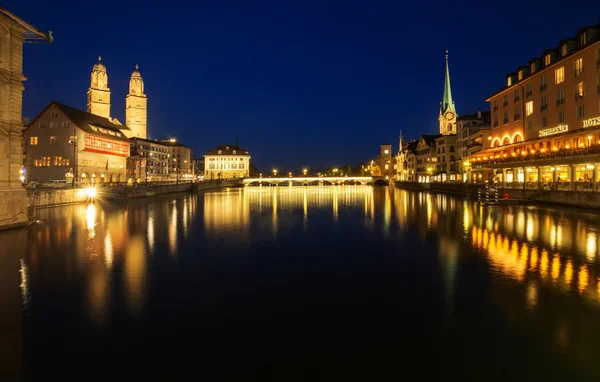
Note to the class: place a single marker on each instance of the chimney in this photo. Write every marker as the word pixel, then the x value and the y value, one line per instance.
pixel 479 114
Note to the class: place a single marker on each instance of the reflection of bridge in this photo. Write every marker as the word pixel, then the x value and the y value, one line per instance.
pixel 314 181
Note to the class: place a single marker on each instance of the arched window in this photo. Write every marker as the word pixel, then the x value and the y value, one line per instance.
pixel 226 148
pixel 449 128
pixel 234 152
pixel 506 141
pixel 219 152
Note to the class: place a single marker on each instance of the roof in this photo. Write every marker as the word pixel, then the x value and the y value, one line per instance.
pixel 32 34
pixel 169 142
pixel 447 102
pixel 411 146
pixel 224 151
pixel 429 138
pixel 485 115
pixel 91 123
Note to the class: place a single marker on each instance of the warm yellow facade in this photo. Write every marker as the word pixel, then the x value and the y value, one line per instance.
pixel 98 95
pixel 136 106
pixel 227 162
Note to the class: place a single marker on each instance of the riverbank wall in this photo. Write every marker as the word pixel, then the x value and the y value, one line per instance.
pixel 524 196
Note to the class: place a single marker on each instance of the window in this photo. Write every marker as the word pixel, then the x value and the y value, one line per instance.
pixel 529 125
pixel 509 81
pixel 543 84
pixel 58 161
pixel 517 95
pixel 520 74
pixel 100 164
pixel 563 50
pixel 100 97
pixel 46 161
pixel 517 113
pixel 66 125
pixel 579 93
pixel 241 166
pixel 234 166
pixel 226 148
pixel 544 121
pixel 547 59
pixel 560 97
pixel 505 100
pixel 42 125
pixel 529 108
pixel 86 162
pixel 219 152
pixel 505 117
pixel 528 90
pixel 72 139
pixel 559 75
pixel 582 39
pixel 33 141
pixel 52 140
pixel 561 117
pixel 496 120
pixel 53 114
pixel 495 105
pixel 544 103
pixel 580 111
pixel 532 68
pixel 578 66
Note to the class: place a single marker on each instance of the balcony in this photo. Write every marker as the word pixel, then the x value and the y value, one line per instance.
pixel 543 87
pixel 560 102
pixel 544 107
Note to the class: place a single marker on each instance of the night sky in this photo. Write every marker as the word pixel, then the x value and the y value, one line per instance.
pixel 305 83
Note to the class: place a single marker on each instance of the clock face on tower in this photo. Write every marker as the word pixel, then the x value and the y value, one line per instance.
pixel 449 115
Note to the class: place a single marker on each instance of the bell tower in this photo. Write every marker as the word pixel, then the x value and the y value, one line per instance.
pixel 136 111
pixel 447 117
pixel 98 95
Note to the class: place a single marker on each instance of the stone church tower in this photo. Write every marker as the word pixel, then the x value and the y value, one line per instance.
pixel 98 95
pixel 447 117
pixel 136 110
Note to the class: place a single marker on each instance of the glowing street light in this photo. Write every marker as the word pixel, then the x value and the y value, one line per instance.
pixel 304 171
pixel 290 174
pixel 274 172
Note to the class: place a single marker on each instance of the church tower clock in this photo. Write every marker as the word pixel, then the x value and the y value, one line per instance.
pixel 98 95
pixel 136 111
pixel 447 117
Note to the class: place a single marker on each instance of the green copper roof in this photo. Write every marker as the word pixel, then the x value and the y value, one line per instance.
pixel 447 102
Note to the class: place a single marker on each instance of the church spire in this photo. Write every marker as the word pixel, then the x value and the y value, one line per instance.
pixel 447 102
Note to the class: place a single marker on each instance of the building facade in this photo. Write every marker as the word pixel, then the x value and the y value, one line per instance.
pixel 14 32
pixel 546 120
pixel 136 106
pixel 407 161
pixel 227 162
pixel 472 135
pixel 385 161
pixel 426 158
pixel 180 162
pixel 64 143
pixel 446 158
pixel 149 161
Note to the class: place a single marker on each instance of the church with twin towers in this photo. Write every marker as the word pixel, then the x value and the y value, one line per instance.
pixel 136 102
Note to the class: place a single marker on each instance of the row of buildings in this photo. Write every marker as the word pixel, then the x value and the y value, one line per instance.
pixel 543 129
pixel 67 144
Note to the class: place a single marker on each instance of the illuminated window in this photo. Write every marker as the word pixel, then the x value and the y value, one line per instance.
pixel 532 68
pixel 33 141
pixel 547 59
pixel 579 93
pixel 520 74
pixel 509 81
pixel 578 66
pixel 52 140
pixel 529 108
pixel 559 75
pixel 234 152
pixel 219 152
pixel 58 161
pixel 387 166
pixel 46 161
pixel 241 166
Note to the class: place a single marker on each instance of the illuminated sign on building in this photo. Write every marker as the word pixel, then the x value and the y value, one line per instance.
pixel 106 146
pixel 591 122
pixel 554 130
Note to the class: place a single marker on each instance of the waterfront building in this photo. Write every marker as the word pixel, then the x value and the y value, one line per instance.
pixel 546 120
pixel 149 161
pixel 446 158
pixel 407 161
pixel 385 161
pixel 14 32
pixel 198 166
pixel 180 160
pixel 63 143
pixel 473 134
pixel 426 158
pixel 447 116
pixel 226 162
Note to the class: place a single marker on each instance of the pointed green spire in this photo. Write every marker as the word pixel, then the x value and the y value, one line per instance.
pixel 447 102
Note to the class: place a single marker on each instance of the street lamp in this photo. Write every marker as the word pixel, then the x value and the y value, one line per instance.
pixel 304 171
pixel 290 174
pixel 274 172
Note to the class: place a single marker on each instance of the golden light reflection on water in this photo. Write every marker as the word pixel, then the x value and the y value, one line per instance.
pixel 135 274
pixel 90 216
pixel 108 251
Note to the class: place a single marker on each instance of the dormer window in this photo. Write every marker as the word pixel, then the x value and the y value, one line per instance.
pixel 533 68
pixel 234 152
pixel 547 59
pixel 226 148
pixel 520 74
pixel 563 50
pixel 582 39
pixel 219 152
pixel 509 81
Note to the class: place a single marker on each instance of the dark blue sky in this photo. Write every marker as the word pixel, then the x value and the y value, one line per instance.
pixel 305 83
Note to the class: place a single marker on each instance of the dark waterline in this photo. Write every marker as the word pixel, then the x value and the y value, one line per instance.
pixel 302 283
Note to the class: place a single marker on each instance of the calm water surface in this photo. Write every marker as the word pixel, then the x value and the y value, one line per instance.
pixel 302 283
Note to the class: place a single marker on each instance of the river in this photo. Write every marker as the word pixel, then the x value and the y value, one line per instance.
pixel 301 283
